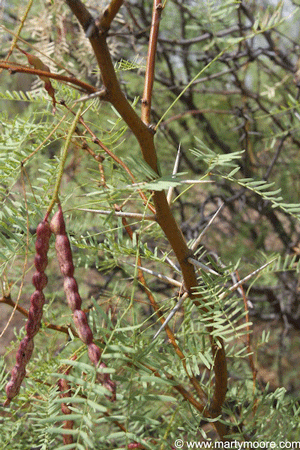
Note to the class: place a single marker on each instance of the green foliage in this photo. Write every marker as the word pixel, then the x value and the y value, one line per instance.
pixel 150 374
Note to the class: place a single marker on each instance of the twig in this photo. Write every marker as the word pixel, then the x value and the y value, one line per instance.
pixel 17 35
pixel 63 160
pixel 109 14
pixel 156 274
pixel 114 157
pixel 14 68
pixel 150 67
pixel 120 214
pixel 62 329
pixel 99 94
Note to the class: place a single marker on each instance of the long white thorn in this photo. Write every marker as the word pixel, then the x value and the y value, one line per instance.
pixel 202 266
pixel 239 283
pixel 120 214
pixel 170 315
pixel 175 170
pixel 197 241
pixel 156 274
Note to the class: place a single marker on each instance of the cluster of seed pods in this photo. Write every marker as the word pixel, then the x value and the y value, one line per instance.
pixel 65 391
pixel 37 301
pixel 65 260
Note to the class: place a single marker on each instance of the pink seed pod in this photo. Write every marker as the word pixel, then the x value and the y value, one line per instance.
pixel 57 224
pixel 43 230
pixel 135 445
pixel 25 351
pixel 34 323
pixel 94 353
pixel 107 382
pixel 74 300
pixel 65 391
pixel 37 300
pixel 71 291
pixel 13 386
pixel 43 233
pixel 40 262
pixel 82 326
pixel 41 246
pixel 64 255
pixel 39 280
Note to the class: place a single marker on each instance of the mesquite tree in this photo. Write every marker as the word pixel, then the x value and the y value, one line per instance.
pixel 147 362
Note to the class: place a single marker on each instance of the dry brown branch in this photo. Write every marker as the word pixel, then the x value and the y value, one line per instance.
pixel 149 75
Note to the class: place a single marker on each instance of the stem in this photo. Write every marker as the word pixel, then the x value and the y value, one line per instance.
pixel 16 36
pixel 149 75
pixel 63 161
pixel 109 14
pixel 14 67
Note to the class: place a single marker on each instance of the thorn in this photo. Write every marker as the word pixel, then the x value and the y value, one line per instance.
pixel 101 94
pixel 197 241
pixel 170 315
pixel 202 266
pixel 156 274
pixel 239 283
pixel 175 170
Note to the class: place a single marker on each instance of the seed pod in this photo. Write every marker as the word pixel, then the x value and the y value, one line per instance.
pixel 25 351
pixel 82 326
pixel 72 294
pixel 40 262
pixel 35 314
pixel 39 280
pixel 74 300
pixel 57 224
pixel 65 391
pixel 13 386
pixel 104 378
pixel 37 301
pixel 34 322
pixel 94 353
pixel 64 255
pixel 43 230
pixel 43 233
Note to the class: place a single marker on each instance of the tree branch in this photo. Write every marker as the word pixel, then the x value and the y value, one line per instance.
pixel 149 75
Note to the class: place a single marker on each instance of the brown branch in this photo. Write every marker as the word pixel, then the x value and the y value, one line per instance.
pixel 109 14
pixel 150 67
pixel 9 301
pixel 14 68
